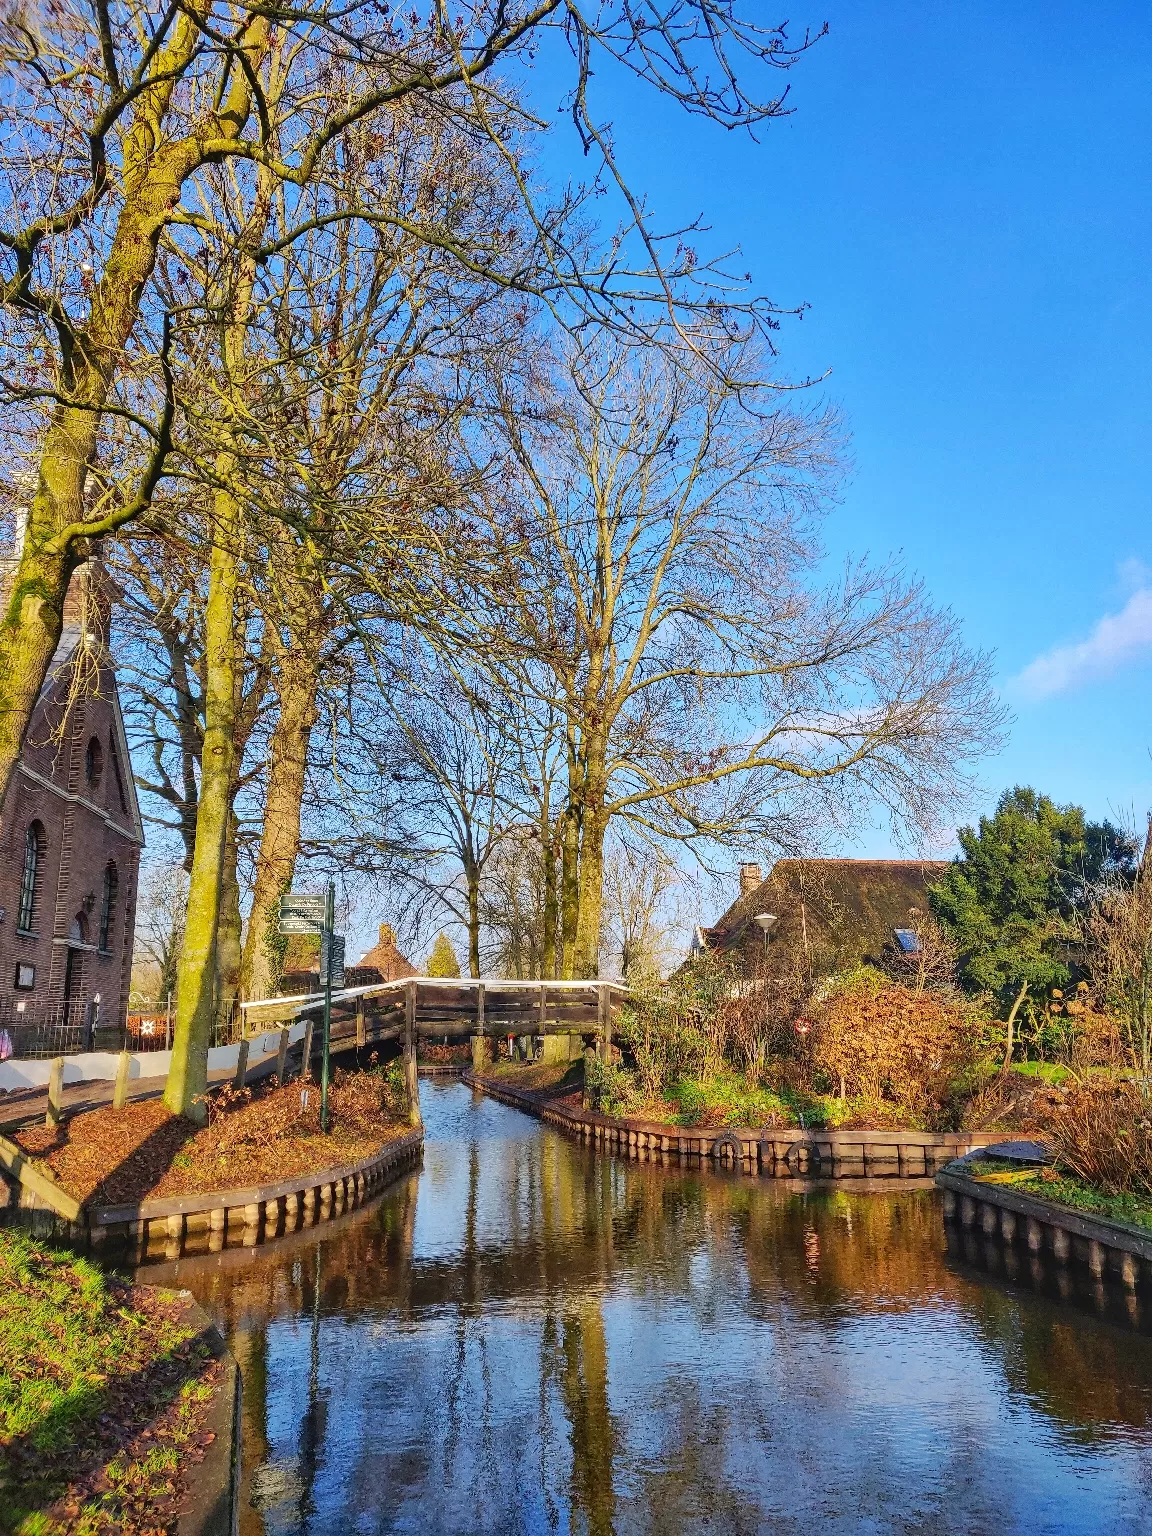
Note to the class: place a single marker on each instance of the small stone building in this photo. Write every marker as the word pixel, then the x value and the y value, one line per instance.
pixel 70 839
pixel 383 962
pixel 829 913
pixel 385 959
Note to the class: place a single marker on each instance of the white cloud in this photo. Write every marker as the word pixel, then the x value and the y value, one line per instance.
pixel 1118 638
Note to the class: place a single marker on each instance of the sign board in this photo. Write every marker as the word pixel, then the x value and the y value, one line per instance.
pixel 302 914
pixel 332 945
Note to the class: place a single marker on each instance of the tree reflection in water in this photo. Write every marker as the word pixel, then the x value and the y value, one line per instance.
pixel 526 1336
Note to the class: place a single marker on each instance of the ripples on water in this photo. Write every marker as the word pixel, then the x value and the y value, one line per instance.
pixel 526 1336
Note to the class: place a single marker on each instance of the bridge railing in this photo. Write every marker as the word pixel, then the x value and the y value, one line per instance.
pixel 452 1006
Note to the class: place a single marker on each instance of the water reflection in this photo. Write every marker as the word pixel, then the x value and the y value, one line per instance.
pixel 525 1336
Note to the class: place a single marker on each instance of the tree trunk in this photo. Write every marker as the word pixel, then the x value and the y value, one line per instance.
pixel 29 635
pixel 228 952
pixel 299 675
pixel 30 631
pixel 569 906
pixel 551 914
pixel 591 894
pixel 196 987
pixel 1012 1012
pixel 472 875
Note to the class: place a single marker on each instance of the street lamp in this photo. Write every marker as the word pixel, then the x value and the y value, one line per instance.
pixel 765 921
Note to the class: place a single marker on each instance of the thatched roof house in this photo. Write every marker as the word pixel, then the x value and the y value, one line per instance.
pixel 829 913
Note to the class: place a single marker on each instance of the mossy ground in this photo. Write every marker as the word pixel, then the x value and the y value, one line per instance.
pixel 1053 1184
pixel 104 1390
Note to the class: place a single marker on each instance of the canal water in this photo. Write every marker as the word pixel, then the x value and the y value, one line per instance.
pixel 528 1336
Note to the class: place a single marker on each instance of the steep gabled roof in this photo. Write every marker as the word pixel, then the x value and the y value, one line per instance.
pixel 387 959
pixel 839 910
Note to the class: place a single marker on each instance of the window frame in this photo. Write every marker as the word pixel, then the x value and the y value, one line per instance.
pixel 109 891
pixel 30 877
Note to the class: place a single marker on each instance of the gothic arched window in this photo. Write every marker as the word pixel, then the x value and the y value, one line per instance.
pixel 108 903
pixel 30 879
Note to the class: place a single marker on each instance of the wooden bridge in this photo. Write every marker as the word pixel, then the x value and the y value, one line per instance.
pixel 436 1008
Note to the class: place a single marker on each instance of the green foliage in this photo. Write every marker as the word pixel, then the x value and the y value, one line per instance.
pixel 728 1098
pixel 676 1029
pixel 611 1088
pixel 442 961
pixel 1135 1210
pixel 1012 902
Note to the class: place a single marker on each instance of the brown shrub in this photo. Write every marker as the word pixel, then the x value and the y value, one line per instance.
pixel 1100 1129
pixel 878 1040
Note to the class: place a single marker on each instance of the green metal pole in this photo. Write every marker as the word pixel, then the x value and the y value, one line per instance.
pixel 329 924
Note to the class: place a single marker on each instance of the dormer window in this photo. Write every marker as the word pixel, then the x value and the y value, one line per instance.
pixel 94 763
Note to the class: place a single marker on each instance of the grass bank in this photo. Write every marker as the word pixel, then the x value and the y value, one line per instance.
pixel 104 1393
pixel 1065 1189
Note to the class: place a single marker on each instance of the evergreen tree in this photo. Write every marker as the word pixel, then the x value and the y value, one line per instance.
pixel 1012 902
pixel 442 961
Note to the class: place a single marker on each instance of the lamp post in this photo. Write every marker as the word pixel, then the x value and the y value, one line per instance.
pixel 765 921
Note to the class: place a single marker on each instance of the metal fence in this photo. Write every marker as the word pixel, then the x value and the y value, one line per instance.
pixel 56 1029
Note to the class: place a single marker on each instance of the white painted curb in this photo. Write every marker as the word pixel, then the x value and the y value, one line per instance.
pixel 100 1066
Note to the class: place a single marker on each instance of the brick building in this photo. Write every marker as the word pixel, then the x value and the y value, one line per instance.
pixel 70 838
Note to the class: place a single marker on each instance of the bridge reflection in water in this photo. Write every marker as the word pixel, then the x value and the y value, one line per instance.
pixel 528 1336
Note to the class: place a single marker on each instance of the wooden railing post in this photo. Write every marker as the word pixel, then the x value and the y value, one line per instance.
pixel 411 1078
pixel 361 1032
pixel 282 1059
pixel 120 1091
pixel 306 1054
pixel 55 1091
pixel 543 1010
pixel 481 1049
pixel 604 1017
pixel 241 1065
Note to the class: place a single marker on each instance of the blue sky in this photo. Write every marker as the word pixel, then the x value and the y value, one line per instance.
pixel 962 199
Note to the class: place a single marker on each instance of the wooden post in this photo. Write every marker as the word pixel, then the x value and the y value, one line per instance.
pixel 120 1091
pixel 543 1009
pixel 604 1017
pixel 411 1079
pixel 306 1058
pixel 241 1065
pixel 481 1051
pixel 361 1034
pixel 55 1091
pixel 282 1059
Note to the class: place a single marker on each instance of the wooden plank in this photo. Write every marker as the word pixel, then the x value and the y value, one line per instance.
pixel 1100 1229
pixel 18 1164
pixel 411 1075
pixel 111 1215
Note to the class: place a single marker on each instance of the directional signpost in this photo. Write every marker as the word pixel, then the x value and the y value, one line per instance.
pixel 332 958
pixel 317 914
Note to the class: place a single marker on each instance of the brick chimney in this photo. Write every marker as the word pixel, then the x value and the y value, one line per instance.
pixel 750 878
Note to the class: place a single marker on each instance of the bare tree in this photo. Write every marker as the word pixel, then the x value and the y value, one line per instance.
pixel 112 111
pixel 637 884
pixel 160 923
pixel 660 596
pixel 1118 927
